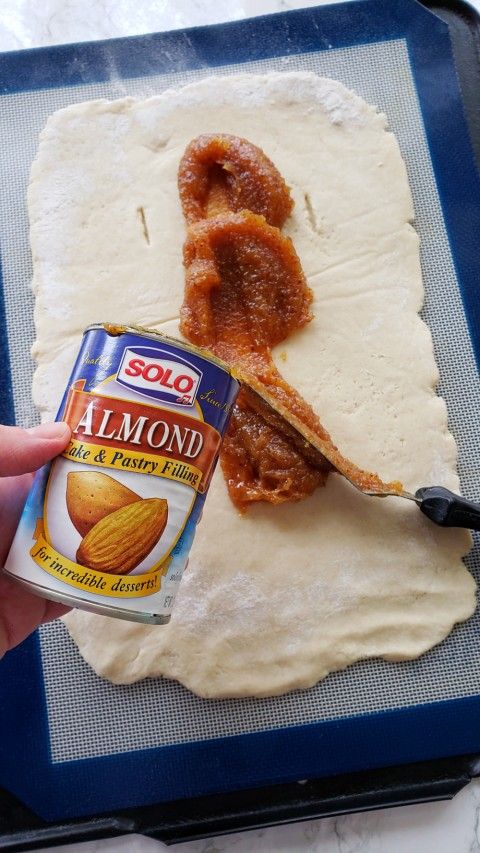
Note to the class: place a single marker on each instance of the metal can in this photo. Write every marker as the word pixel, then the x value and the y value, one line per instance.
pixel 109 524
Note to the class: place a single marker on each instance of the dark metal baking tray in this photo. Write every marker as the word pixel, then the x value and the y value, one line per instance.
pixel 379 786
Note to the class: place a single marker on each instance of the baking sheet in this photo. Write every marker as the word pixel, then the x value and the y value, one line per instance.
pixel 87 718
pixel 452 669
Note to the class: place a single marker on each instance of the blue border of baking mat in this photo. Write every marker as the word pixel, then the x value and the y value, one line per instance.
pixel 90 786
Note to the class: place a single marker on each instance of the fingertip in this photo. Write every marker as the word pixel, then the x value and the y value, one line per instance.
pixel 54 610
pixel 56 431
pixel 24 450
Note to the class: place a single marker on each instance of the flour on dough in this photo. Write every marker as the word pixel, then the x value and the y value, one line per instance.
pixel 280 597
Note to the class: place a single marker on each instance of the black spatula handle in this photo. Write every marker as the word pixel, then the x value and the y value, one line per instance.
pixel 447 509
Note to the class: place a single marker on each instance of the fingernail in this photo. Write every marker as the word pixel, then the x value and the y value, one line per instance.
pixel 55 430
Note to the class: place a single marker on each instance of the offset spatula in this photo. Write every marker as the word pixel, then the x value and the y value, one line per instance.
pixel 440 505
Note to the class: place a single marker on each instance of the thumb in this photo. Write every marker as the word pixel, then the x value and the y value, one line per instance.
pixel 24 450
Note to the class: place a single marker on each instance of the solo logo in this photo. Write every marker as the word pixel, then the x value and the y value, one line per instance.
pixel 159 374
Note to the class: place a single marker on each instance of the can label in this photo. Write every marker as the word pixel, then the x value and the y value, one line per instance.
pixel 113 518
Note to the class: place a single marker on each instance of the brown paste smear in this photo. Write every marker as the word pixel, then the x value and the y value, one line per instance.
pixel 245 292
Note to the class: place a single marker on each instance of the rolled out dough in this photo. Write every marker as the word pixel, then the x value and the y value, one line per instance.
pixel 284 595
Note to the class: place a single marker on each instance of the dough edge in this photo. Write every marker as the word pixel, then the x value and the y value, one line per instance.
pixel 75 621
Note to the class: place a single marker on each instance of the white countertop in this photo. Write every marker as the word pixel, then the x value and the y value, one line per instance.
pixel 447 827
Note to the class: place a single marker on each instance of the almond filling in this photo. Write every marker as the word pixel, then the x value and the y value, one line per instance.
pixel 245 292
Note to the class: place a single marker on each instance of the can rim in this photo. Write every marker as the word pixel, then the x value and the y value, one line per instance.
pixel 118 329
pixel 145 617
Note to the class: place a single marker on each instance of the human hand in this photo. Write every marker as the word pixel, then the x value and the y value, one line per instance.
pixel 21 452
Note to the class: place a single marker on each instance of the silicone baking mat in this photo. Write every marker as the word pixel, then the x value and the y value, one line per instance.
pixel 84 733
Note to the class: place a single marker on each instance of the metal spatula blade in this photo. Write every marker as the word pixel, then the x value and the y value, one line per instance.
pixel 439 504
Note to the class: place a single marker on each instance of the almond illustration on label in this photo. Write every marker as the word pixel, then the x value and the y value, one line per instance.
pixel 121 540
pixel 92 495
